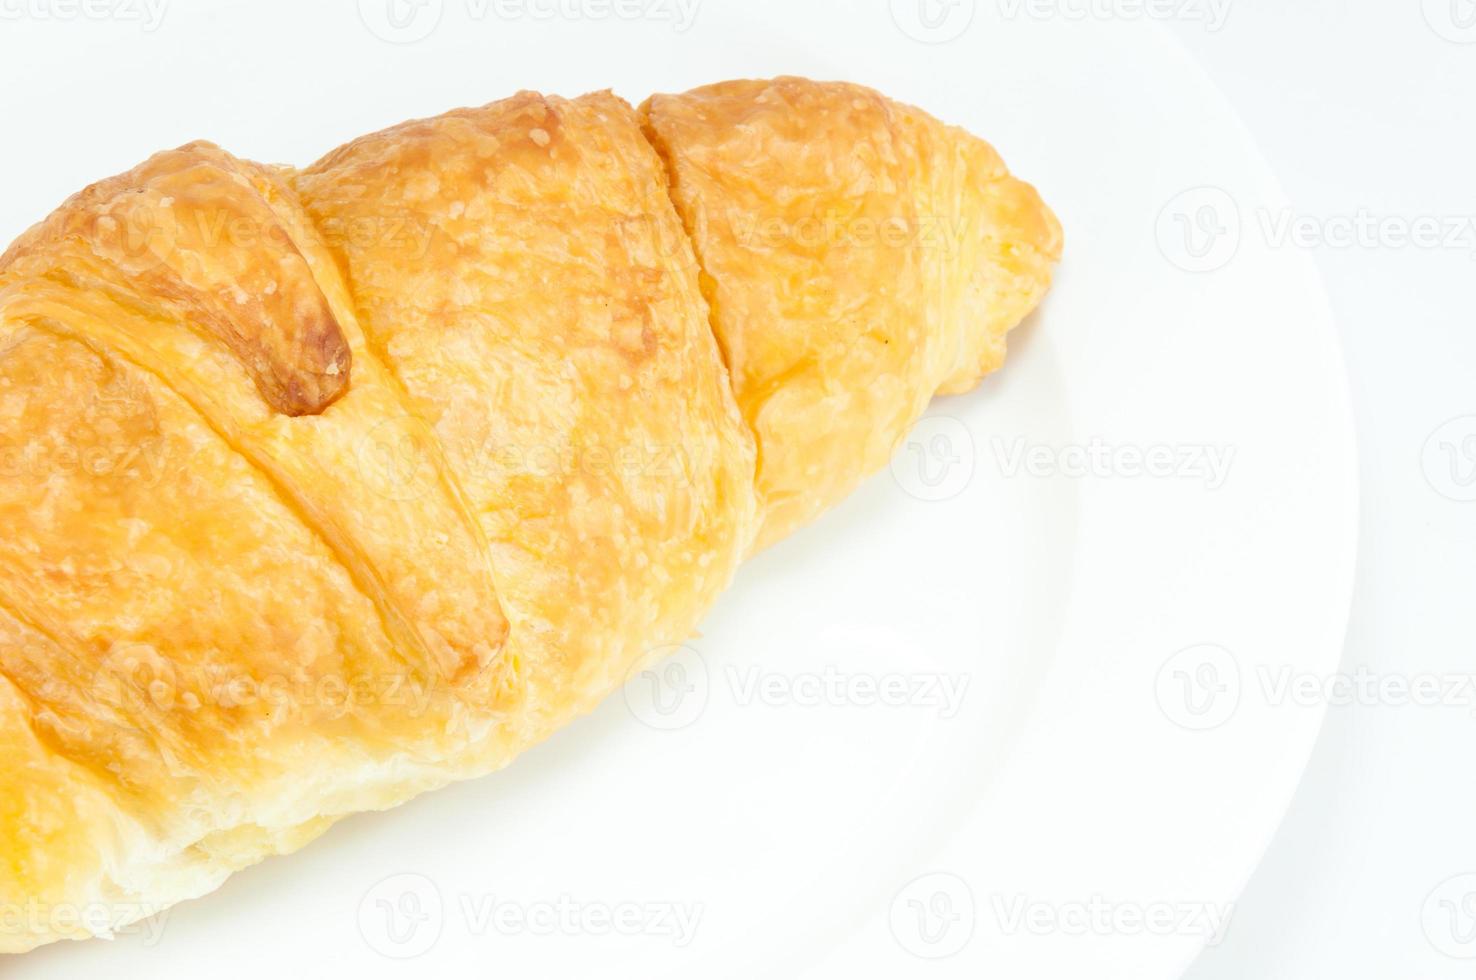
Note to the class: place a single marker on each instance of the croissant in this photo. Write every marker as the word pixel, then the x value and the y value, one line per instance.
pixel 323 488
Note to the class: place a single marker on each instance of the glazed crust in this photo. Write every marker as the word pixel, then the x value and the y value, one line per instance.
pixel 858 256
pixel 327 487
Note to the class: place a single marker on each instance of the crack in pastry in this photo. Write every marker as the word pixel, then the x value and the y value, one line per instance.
pixel 845 235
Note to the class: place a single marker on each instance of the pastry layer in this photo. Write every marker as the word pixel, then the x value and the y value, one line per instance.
pixel 858 255
pixel 326 487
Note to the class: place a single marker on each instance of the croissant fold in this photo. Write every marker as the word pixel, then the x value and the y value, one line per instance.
pixel 322 488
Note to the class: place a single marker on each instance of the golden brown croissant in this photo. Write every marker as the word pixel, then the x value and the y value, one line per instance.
pixel 322 488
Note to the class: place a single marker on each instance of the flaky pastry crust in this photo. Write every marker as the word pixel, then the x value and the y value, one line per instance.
pixel 322 488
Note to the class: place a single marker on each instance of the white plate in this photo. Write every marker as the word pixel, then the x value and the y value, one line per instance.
pixel 842 838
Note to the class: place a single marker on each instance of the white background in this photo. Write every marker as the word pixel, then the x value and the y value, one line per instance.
pixel 1361 108
pixel 1360 105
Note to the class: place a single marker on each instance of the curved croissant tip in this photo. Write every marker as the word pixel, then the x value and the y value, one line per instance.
pixel 312 392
